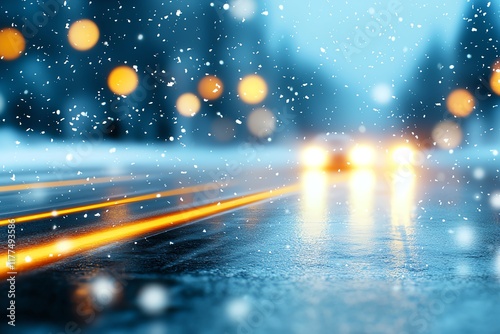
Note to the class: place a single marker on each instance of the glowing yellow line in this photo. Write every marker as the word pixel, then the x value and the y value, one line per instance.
pixel 51 252
pixel 62 212
pixel 36 185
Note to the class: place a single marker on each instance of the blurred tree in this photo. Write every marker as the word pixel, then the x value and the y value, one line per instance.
pixel 476 52
pixel 57 90
pixel 425 104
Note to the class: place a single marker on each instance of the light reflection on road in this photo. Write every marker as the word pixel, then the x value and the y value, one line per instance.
pixel 402 215
pixel 361 202
pixel 314 209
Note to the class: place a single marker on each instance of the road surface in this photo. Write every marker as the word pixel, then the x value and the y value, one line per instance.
pixel 266 249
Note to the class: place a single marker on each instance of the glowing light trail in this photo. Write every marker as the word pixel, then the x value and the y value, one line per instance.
pixel 53 184
pixel 48 253
pixel 62 212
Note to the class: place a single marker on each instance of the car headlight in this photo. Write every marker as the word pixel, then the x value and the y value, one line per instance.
pixel 362 156
pixel 315 157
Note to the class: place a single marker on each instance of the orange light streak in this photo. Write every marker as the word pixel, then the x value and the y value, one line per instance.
pixel 51 184
pixel 62 212
pixel 52 252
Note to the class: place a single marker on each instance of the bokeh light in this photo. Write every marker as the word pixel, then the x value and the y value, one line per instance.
pixel 315 157
pixel 12 43
pixel 495 78
pixel 83 35
pixel 63 246
pixel 460 103
pixel 252 89
pixel 261 123
pixel 188 104
pixel 478 173
pixel 103 290
pixel 243 9
pixel 362 156
pixel 238 309
pixel 382 93
pixel 495 200
pixel 447 135
pixel 465 237
pixel 153 299
pixel 123 80
pixel 495 82
pixel 210 87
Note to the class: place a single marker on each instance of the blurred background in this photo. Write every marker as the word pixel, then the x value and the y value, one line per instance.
pixel 221 72
pixel 177 92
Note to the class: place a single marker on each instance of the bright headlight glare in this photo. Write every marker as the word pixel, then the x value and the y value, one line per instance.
pixel 362 156
pixel 315 157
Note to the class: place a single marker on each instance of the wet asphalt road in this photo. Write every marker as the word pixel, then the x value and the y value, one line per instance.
pixel 358 252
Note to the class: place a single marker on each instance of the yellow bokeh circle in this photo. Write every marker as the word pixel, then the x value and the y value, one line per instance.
pixel 12 43
pixel 188 104
pixel 495 82
pixel 123 80
pixel 252 89
pixel 83 35
pixel 210 87
pixel 495 78
pixel 460 103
